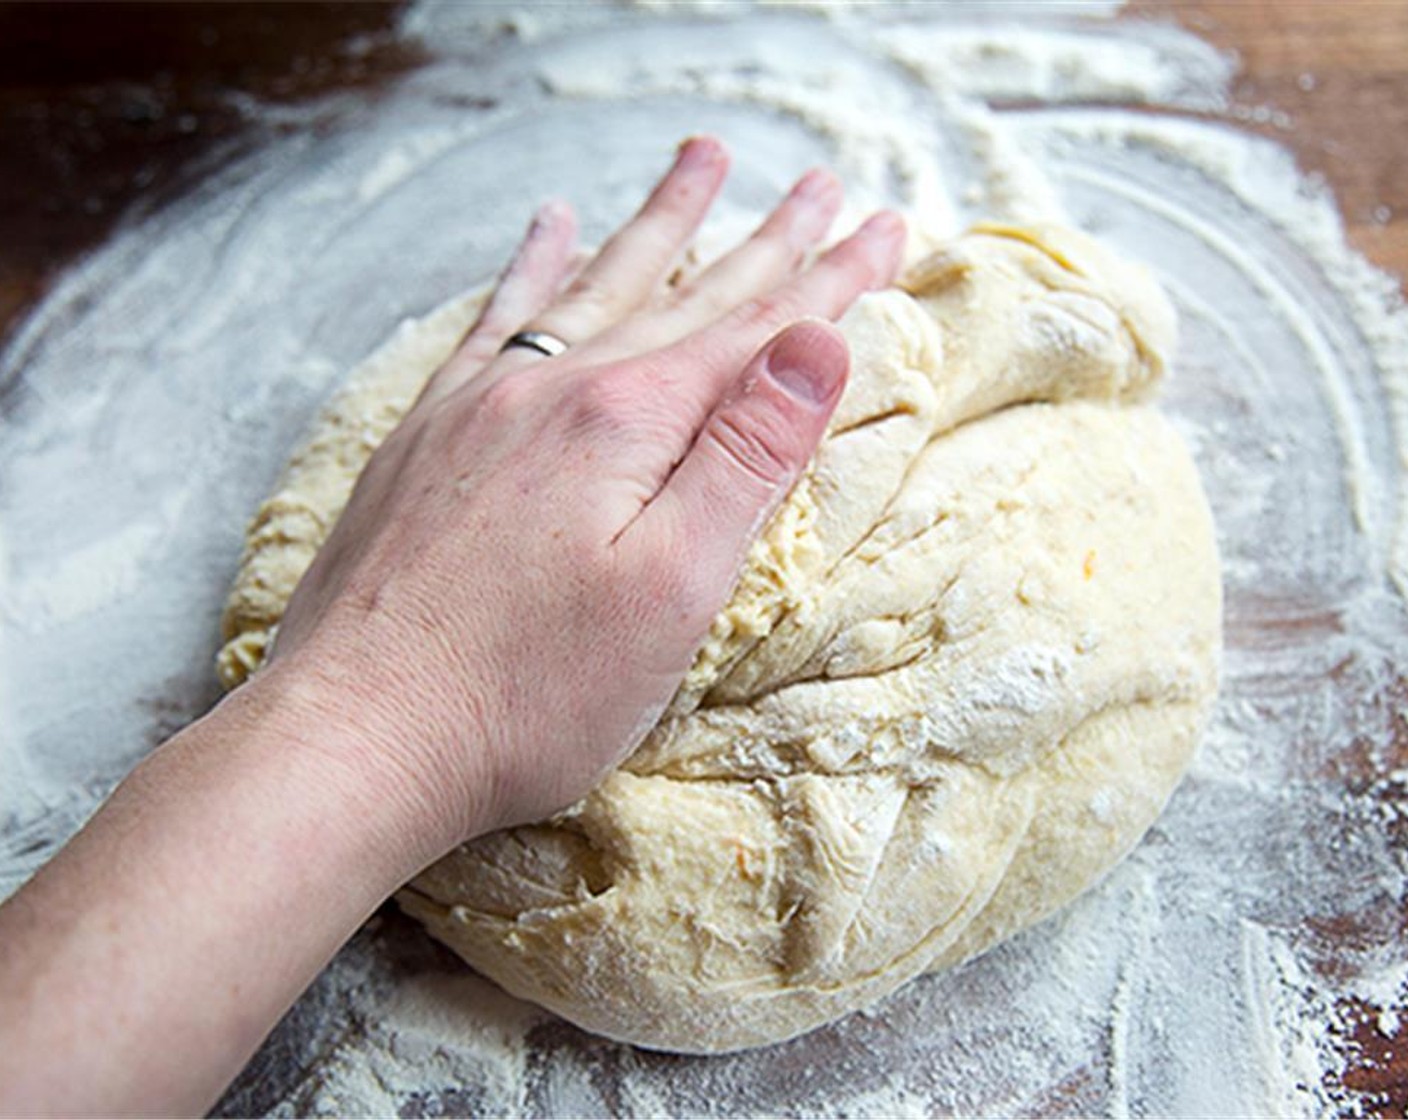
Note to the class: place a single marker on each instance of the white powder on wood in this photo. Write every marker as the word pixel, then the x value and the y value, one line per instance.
pixel 152 397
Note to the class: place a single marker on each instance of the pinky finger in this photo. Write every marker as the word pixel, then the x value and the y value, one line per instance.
pixel 541 264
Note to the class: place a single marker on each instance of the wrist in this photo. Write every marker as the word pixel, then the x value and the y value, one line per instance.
pixel 357 761
pixel 204 895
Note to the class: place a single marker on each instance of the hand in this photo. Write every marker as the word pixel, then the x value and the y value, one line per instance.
pixel 513 593
pixel 528 564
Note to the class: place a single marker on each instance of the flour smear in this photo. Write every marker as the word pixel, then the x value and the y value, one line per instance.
pixel 1233 965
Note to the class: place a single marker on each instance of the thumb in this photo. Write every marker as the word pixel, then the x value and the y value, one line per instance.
pixel 755 443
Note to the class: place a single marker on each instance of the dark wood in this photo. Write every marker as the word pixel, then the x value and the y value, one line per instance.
pixel 107 110
pixel 1339 69
pixel 109 107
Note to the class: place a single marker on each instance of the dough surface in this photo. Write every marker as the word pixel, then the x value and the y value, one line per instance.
pixel 964 668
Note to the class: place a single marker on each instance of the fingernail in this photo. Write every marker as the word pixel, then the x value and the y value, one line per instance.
pixel 881 227
pixel 698 152
pixel 809 362
pixel 883 234
pixel 819 196
pixel 818 183
pixel 551 212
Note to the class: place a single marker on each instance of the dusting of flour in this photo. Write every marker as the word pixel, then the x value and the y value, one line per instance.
pixel 1250 950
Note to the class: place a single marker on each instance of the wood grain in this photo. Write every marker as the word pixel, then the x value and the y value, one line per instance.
pixel 136 103
pixel 1339 71
pixel 107 110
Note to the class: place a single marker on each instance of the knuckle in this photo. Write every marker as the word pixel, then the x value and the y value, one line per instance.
pixel 772 309
pixel 765 256
pixel 505 397
pixel 603 401
pixel 493 317
pixel 705 302
pixel 657 372
pixel 475 351
pixel 751 446
pixel 657 232
pixel 778 246
pixel 590 296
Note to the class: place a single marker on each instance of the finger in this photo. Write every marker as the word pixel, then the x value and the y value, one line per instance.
pixel 633 262
pixel 749 452
pixel 580 259
pixel 692 374
pixel 768 258
pixel 868 259
pixel 530 281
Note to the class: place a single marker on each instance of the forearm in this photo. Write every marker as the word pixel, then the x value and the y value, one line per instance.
pixel 141 968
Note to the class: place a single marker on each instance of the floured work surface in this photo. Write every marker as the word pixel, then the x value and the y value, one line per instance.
pixel 1223 968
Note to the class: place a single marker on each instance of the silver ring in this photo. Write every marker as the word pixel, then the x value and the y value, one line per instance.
pixel 548 345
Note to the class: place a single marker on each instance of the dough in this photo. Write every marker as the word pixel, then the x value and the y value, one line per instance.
pixel 964 668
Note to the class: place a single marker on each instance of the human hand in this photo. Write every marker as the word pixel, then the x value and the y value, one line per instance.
pixel 528 564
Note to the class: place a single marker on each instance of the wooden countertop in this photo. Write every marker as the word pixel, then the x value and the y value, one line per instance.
pixel 122 117
pixel 1340 72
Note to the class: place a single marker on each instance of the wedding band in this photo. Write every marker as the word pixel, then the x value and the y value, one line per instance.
pixel 548 345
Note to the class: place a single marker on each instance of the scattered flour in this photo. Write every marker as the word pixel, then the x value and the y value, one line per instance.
pixel 171 372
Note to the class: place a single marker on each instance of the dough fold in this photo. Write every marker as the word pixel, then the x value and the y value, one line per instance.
pixel 963 670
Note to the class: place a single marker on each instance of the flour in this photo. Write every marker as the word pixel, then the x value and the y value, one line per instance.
pixel 150 399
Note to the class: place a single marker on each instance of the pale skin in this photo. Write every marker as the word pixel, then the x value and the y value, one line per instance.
pixel 518 585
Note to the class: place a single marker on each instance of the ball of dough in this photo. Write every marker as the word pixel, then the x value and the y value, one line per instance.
pixel 962 672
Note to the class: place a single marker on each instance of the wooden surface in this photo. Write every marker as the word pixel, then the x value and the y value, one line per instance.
pixel 108 110
pixel 1339 70
pixel 122 115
